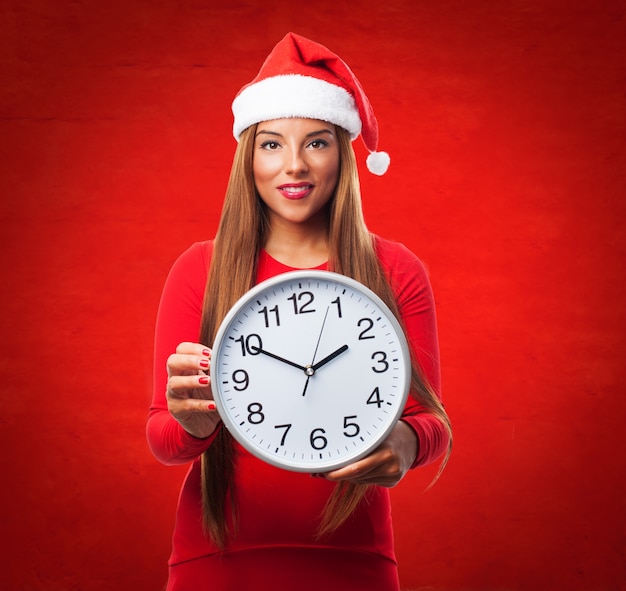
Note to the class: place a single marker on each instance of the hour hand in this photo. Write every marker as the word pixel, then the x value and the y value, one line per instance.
pixel 330 357
pixel 273 356
pixel 311 369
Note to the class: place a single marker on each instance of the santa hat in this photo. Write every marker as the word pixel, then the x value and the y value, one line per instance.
pixel 301 78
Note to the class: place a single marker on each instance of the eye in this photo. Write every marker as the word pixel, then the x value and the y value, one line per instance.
pixel 270 145
pixel 318 144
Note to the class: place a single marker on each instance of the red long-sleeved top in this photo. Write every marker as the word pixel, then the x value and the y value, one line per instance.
pixel 279 510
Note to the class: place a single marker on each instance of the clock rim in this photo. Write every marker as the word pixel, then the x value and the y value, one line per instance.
pixel 311 274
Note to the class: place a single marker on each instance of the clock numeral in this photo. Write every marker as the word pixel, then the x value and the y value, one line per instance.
pixel 347 425
pixel 286 428
pixel 248 347
pixel 380 357
pixel 240 377
pixel 301 302
pixel 255 416
pixel 318 441
pixel 369 324
pixel 266 315
pixel 337 302
pixel 375 398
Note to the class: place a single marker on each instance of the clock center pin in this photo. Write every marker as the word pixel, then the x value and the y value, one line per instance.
pixel 309 371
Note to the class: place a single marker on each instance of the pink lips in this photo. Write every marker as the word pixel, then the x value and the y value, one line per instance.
pixel 295 190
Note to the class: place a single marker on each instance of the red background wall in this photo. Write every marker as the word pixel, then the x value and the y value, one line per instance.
pixel 505 123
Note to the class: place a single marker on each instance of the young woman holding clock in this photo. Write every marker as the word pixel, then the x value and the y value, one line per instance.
pixel 292 202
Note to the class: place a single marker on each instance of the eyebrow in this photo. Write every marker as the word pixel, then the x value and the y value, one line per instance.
pixel 308 135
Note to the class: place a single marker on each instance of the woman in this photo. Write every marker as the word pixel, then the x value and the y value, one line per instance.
pixel 292 202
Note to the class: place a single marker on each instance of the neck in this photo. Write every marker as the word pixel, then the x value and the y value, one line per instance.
pixel 298 246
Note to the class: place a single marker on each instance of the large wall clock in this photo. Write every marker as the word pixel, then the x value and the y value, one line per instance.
pixel 310 371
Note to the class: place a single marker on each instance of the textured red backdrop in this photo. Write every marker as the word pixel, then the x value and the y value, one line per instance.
pixel 505 122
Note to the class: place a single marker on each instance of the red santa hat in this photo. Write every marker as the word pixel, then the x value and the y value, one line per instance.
pixel 301 78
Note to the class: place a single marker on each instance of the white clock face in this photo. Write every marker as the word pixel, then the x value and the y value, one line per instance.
pixel 310 371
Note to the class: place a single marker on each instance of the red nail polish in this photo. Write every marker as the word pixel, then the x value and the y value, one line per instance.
pixel 211 406
pixel 203 380
pixel 203 363
pixel 206 352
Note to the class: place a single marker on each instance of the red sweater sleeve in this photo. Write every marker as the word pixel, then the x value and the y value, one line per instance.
pixel 410 283
pixel 178 320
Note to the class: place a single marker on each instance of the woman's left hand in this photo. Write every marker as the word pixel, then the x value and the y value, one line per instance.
pixel 387 465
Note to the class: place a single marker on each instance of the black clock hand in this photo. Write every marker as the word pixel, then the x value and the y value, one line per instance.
pixel 259 350
pixel 311 369
pixel 330 357
pixel 306 384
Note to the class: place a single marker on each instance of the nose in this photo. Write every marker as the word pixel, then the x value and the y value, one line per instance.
pixel 295 162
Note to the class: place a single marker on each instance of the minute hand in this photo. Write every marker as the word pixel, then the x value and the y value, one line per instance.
pixel 258 350
pixel 330 357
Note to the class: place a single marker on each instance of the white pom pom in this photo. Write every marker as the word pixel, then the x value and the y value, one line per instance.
pixel 378 163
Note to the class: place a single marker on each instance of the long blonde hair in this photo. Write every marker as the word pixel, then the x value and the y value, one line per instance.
pixel 240 237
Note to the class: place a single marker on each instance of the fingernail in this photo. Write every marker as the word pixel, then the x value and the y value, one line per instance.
pixel 206 352
pixel 204 380
pixel 211 406
pixel 203 363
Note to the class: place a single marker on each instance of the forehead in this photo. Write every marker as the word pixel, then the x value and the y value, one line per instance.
pixel 295 125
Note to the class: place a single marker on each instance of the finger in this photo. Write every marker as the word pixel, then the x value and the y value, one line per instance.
pixel 185 386
pixel 377 477
pixel 187 406
pixel 379 466
pixel 187 348
pixel 356 471
pixel 183 363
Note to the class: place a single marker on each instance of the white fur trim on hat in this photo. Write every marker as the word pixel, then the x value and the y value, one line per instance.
pixel 294 95
pixel 378 162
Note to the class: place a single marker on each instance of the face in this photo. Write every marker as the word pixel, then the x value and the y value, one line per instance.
pixel 295 167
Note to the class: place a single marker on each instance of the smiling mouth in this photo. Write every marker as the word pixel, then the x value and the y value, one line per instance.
pixel 296 191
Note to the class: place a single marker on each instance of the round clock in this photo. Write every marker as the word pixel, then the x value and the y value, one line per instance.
pixel 310 371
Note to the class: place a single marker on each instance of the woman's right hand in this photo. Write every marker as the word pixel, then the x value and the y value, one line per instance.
pixel 189 396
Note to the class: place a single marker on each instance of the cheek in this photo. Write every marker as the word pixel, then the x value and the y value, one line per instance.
pixel 257 172
pixel 260 170
pixel 327 169
pixel 265 168
pixel 333 175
